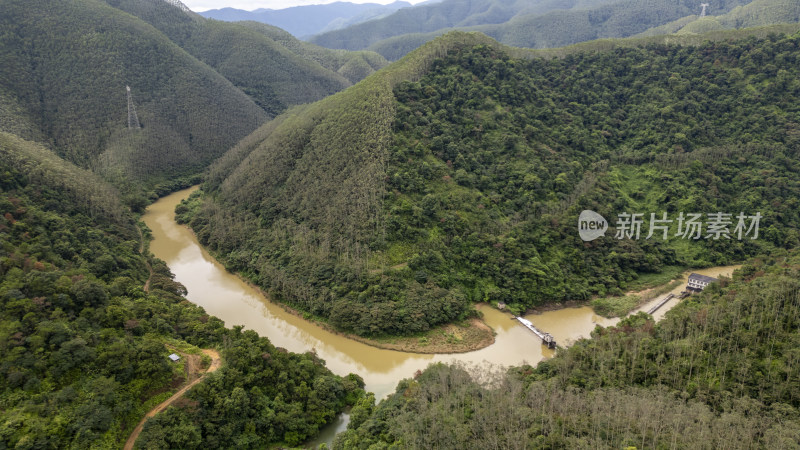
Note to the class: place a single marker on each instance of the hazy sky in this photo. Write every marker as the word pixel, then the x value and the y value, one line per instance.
pixel 202 5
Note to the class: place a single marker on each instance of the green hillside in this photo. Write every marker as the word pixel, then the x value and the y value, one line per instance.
pixel 454 176
pixel 83 346
pixel 393 206
pixel 63 82
pixel 443 15
pixel 541 25
pixel 718 372
pixel 353 65
pixel 620 19
pixel 198 85
pixel 272 74
pixel 757 13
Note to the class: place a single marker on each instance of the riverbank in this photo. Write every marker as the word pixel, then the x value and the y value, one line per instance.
pixel 475 334
pixel 642 300
pixel 637 300
pixel 622 306
pixel 468 336
pixel 237 303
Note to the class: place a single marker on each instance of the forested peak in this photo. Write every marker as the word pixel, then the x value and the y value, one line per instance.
pixel 411 67
pixel 376 86
pixel 456 175
pixel 166 9
pixel 445 14
pixel 65 72
pixel 176 22
pixel 355 66
pixel 276 71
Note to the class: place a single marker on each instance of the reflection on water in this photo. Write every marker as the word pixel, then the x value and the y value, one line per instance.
pixel 568 325
pixel 237 303
pixel 329 431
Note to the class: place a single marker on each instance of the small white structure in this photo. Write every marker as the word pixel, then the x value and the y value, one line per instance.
pixel 698 282
pixel 174 357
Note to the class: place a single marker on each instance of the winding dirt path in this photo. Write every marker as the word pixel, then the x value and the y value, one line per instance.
pixel 216 362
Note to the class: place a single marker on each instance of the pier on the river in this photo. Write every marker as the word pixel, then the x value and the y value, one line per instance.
pixel 661 303
pixel 547 338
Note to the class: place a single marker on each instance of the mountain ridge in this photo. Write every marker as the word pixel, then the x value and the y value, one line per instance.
pixel 78 102
pixel 545 24
pixel 197 85
pixel 304 21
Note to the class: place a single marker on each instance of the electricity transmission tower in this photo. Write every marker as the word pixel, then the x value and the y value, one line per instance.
pixel 133 120
pixel 703 13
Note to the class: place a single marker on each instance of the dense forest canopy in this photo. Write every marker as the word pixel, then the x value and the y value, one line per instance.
pixel 83 347
pixel 490 159
pixel 87 316
pixel 452 177
pixel 720 370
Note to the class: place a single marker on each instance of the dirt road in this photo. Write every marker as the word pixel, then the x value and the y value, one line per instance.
pixel 192 364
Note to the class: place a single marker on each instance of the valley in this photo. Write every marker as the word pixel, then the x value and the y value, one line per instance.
pixel 222 234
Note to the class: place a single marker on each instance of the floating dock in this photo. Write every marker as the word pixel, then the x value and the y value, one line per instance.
pixel 547 338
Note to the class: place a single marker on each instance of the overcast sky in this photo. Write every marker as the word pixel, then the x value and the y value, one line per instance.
pixel 203 5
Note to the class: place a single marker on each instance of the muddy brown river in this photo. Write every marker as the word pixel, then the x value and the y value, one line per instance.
pixel 235 302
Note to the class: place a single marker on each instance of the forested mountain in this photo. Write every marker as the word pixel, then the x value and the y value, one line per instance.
pixel 353 65
pixel 720 371
pixel 620 19
pixel 438 16
pixel 451 177
pixel 272 74
pixel 198 86
pixel 308 20
pixel 541 25
pixel 83 342
pixel 83 348
pixel 393 206
pixel 757 13
pixel 63 82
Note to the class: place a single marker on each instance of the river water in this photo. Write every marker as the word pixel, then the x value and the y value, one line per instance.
pixel 226 296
